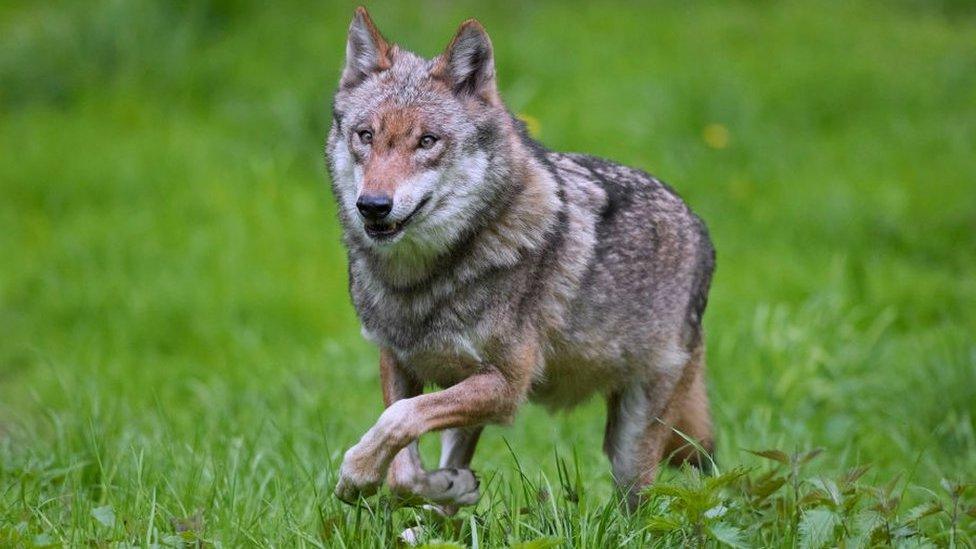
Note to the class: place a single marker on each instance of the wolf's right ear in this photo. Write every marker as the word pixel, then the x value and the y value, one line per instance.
pixel 468 64
pixel 367 52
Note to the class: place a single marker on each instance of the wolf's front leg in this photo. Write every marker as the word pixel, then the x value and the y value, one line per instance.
pixel 485 397
pixel 362 473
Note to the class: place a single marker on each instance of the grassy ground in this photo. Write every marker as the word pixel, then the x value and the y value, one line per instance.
pixel 179 360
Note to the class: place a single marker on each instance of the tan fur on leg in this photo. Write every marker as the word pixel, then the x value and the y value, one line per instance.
pixel 639 420
pixel 693 419
pixel 486 397
pixel 695 423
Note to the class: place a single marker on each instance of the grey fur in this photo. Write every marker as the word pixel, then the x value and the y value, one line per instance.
pixel 603 263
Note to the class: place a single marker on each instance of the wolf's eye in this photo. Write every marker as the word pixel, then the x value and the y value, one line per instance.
pixel 366 137
pixel 427 141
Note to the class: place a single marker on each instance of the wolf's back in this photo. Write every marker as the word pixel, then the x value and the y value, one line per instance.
pixel 653 259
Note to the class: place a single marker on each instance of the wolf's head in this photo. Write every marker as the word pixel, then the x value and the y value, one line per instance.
pixel 414 142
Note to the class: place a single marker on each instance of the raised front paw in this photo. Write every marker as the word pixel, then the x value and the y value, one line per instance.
pixel 358 477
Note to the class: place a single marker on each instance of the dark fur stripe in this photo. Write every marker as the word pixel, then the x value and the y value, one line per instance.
pixel 337 118
pixel 703 280
pixel 555 238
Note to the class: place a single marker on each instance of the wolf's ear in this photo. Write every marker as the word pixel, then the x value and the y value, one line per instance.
pixel 468 65
pixel 367 51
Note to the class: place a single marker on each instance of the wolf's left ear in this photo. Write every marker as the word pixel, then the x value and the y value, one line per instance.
pixel 468 65
pixel 367 51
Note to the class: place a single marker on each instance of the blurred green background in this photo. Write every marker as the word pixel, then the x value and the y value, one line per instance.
pixel 175 332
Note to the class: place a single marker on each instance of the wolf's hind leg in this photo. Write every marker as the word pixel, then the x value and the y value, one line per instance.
pixel 457 449
pixel 634 442
pixel 457 446
pixel 693 420
pixel 639 420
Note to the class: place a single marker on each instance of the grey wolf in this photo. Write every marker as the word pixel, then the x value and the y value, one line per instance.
pixel 500 272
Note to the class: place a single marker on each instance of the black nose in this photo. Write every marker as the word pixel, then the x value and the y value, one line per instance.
pixel 374 207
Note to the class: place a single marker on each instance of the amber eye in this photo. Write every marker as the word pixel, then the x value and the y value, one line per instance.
pixel 427 141
pixel 366 137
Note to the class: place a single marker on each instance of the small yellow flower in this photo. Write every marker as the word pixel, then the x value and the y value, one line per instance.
pixel 716 136
pixel 531 123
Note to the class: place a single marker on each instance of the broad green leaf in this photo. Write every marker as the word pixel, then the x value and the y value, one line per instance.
pixel 917 542
pixel 829 488
pixel 676 492
pixel 663 524
pixel 43 540
pixel 104 515
pixel 727 534
pixel 817 528
pixel 905 531
pixel 921 511
pixel 814 498
pixel 726 478
pixel 863 527
pixel 766 485
pixel 769 487
pixel 716 512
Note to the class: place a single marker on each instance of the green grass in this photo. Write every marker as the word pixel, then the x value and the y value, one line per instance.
pixel 179 359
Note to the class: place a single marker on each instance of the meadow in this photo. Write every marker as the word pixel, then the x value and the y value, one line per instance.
pixel 180 364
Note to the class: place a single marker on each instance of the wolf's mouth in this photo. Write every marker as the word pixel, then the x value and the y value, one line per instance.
pixel 379 230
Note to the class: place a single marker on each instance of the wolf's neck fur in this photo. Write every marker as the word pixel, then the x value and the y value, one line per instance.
pixel 513 223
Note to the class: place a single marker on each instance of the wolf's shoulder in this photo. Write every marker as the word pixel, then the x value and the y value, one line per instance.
pixel 626 188
pixel 639 212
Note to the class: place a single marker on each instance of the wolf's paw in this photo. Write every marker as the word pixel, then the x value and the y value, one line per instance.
pixel 350 489
pixel 356 480
pixel 453 487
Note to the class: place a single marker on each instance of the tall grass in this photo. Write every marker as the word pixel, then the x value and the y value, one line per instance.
pixel 179 362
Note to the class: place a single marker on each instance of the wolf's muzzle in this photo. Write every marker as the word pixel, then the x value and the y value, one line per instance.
pixel 374 207
pixel 383 230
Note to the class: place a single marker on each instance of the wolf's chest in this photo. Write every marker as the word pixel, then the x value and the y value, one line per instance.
pixel 442 357
pixel 440 368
